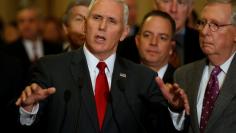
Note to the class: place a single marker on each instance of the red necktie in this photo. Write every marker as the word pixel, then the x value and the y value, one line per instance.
pixel 210 97
pixel 101 92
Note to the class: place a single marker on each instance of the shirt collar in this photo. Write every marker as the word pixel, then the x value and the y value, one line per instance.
pixel 224 67
pixel 162 71
pixel 93 61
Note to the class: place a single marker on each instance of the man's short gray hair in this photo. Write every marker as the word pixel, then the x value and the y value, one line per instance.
pixel 125 9
pixel 233 5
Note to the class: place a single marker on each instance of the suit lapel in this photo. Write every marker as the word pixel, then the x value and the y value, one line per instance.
pixel 227 92
pixel 80 73
pixel 194 83
pixel 168 76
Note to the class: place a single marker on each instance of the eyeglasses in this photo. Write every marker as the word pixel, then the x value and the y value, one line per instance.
pixel 212 26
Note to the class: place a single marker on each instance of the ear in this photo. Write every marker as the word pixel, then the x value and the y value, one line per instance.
pixel 65 29
pixel 173 44
pixel 137 40
pixel 124 33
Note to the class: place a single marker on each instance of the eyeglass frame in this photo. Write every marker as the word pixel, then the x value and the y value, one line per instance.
pixel 183 2
pixel 212 26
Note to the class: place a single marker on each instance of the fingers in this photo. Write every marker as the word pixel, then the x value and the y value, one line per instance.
pixel 184 98
pixel 163 87
pixel 49 91
pixel 33 94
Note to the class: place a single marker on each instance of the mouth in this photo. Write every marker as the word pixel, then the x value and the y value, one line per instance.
pixel 152 51
pixel 100 39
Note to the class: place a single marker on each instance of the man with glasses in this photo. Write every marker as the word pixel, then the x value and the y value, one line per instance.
pixel 187 39
pixel 210 83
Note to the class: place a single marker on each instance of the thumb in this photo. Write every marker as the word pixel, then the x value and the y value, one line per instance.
pixel 50 91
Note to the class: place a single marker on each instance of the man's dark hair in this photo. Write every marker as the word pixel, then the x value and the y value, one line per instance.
pixel 162 14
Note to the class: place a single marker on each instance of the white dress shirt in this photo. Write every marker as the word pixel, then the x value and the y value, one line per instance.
pixel 162 71
pixel 93 70
pixel 205 77
pixel 34 48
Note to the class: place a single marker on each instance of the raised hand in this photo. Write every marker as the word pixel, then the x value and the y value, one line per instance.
pixel 32 94
pixel 176 96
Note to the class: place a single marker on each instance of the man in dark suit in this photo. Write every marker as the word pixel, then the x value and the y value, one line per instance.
pixel 127 48
pixel 155 44
pixel 30 46
pixel 129 90
pixel 73 24
pixel 11 87
pixel 217 37
pixel 187 47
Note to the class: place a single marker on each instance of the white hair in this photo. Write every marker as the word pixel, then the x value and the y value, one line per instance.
pixel 125 9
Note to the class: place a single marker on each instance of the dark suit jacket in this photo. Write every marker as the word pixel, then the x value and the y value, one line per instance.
pixel 223 118
pixel 192 50
pixel 127 48
pixel 17 50
pixel 11 86
pixel 163 123
pixel 169 74
pixel 72 108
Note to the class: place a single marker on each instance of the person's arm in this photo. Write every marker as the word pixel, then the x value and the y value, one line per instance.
pixel 29 102
pixel 28 118
pixel 178 102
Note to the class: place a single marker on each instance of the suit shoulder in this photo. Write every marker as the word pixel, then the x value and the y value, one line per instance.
pixel 136 68
pixel 61 58
pixel 189 67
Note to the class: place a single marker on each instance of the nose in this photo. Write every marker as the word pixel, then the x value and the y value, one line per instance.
pixel 103 25
pixel 154 40
pixel 173 7
pixel 205 29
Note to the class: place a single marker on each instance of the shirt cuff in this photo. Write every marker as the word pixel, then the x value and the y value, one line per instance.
pixel 28 118
pixel 178 119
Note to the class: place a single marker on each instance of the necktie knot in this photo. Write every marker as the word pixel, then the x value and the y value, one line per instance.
pixel 216 71
pixel 101 66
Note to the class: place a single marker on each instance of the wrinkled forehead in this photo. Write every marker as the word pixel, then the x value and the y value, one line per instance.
pixel 110 8
pixel 217 11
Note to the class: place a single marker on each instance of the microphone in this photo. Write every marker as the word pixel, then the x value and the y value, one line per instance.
pixel 121 82
pixel 67 96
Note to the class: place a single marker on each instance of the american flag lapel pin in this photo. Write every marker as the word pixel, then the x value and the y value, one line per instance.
pixel 123 75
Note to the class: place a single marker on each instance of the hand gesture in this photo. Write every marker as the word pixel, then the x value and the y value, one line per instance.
pixel 32 94
pixel 176 96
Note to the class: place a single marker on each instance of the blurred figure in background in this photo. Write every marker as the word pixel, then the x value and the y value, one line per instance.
pixel 127 47
pixel 73 24
pixel 187 39
pixel 30 46
pixel 52 31
pixel 10 33
pixel 192 20
pixel 1 37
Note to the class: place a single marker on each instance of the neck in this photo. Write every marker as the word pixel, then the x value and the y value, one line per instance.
pixel 154 67
pixel 218 59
